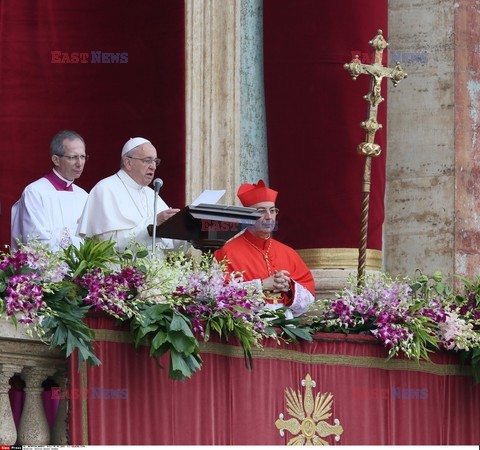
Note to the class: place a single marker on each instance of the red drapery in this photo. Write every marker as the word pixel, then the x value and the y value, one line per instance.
pixel 107 103
pixel 223 404
pixel 313 111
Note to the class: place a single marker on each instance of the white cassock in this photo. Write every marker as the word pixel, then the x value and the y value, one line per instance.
pixel 121 209
pixel 48 215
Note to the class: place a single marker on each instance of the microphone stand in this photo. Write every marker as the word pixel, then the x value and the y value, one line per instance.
pixel 157 184
pixel 154 233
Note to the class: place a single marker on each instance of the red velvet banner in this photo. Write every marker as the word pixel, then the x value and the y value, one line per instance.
pixel 110 70
pixel 373 402
pixel 313 110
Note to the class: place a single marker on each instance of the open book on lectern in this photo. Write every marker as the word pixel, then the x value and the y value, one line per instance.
pixel 207 225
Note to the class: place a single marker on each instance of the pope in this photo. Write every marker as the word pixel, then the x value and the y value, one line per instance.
pixel 120 207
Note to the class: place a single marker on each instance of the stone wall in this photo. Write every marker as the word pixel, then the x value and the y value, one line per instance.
pixel 467 138
pixel 420 197
pixel 433 164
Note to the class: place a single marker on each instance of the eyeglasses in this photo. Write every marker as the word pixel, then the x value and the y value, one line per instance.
pixel 263 211
pixel 148 161
pixel 74 158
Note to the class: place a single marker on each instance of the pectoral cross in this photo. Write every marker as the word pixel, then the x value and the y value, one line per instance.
pixel 369 149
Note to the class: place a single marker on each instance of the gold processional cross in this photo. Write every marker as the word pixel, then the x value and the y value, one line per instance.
pixel 369 149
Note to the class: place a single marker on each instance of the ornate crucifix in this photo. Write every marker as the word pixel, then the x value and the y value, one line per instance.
pixel 369 149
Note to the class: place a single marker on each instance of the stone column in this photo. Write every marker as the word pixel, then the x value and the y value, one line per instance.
pixel 253 130
pixel 212 97
pixel 332 267
pixel 60 427
pixel 8 431
pixel 34 429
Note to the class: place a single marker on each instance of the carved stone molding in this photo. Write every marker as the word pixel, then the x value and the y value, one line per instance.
pixel 30 354
pixel 212 97
pixel 35 362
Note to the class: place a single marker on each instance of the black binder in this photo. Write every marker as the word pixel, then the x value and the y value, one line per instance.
pixel 207 227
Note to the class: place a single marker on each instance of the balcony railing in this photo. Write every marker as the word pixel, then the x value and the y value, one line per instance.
pixel 34 362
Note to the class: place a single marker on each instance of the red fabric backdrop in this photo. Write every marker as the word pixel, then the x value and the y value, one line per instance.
pixel 105 103
pixel 313 110
pixel 226 404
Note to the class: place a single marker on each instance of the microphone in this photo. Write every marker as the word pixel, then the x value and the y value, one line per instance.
pixel 157 183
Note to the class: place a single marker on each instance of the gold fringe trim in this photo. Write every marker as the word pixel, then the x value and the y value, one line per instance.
pixel 370 362
pixel 339 258
pixel 123 337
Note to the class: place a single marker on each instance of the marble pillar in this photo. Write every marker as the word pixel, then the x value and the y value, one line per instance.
pixel 8 431
pixel 59 435
pixel 212 97
pixel 253 130
pixel 33 428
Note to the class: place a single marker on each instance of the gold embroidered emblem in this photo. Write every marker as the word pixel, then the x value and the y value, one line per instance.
pixel 309 418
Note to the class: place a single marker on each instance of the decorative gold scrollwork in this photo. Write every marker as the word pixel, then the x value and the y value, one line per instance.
pixel 308 423
pixel 369 149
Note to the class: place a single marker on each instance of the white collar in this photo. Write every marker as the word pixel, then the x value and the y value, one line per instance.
pixel 69 182
pixel 128 180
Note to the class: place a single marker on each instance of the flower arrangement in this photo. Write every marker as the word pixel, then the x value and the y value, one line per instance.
pixel 174 303
pixel 171 304
pixel 409 317
pixel 24 280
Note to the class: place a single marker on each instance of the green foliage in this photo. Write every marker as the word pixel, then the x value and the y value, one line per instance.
pixel 470 300
pixel 166 330
pixel 134 257
pixel 65 327
pixel 289 329
pixel 169 299
pixel 426 288
pixel 90 255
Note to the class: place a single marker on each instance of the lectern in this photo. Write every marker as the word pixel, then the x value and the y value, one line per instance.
pixel 207 227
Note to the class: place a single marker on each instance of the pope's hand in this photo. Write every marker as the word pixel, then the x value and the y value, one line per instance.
pixel 164 215
pixel 279 282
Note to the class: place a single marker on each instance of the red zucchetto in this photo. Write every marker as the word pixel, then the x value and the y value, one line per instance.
pixel 249 194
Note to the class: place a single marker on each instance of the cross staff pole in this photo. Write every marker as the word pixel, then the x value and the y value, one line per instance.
pixel 369 149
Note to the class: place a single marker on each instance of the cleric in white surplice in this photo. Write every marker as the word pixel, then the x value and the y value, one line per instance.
pixel 49 208
pixel 121 206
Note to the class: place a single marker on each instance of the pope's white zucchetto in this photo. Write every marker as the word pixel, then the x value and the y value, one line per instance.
pixel 132 143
